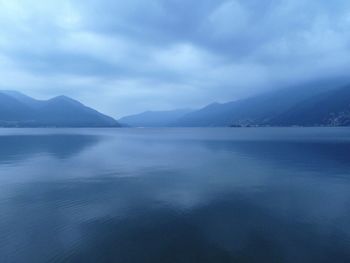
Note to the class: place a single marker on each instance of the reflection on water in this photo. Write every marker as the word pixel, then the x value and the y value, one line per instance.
pixel 16 147
pixel 175 195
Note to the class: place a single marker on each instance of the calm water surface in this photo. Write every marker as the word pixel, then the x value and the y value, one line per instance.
pixel 175 195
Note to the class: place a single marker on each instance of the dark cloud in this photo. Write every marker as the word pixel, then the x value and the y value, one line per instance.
pixel 129 56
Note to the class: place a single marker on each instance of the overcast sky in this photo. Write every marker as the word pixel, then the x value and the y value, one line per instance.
pixel 127 56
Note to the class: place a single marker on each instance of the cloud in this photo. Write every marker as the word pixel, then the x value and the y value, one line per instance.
pixel 129 56
pixel 228 20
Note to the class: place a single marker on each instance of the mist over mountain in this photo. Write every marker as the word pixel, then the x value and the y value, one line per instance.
pixel 19 110
pixel 331 108
pixel 154 118
pixel 304 106
pixel 324 103
pixel 311 105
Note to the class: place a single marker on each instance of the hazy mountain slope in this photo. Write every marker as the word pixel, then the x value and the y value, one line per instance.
pixel 20 110
pixel 330 108
pixel 154 118
pixel 13 110
pixel 29 101
pixel 257 110
pixel 64 111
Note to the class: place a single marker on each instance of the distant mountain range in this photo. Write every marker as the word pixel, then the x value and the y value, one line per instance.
pixel 311 105
pixel 154 118
pixel 19 110
pixel 330 108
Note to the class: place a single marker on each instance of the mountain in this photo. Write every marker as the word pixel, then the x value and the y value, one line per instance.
pixel 255 110
pixel 13 110
pixel 29 101
pixel 330 108
pixel 304 106
pixel 19 110
pixel 154 118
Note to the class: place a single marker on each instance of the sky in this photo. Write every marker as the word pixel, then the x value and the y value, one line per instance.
pixel 124 57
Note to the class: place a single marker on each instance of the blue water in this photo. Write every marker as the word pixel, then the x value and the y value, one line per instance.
pixel 175 195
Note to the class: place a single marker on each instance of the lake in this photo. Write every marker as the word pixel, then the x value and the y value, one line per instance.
pixel 175 195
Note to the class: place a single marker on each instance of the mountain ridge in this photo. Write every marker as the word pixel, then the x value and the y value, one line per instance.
pixel 154 118
pixel 20 110
pixel 288 107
